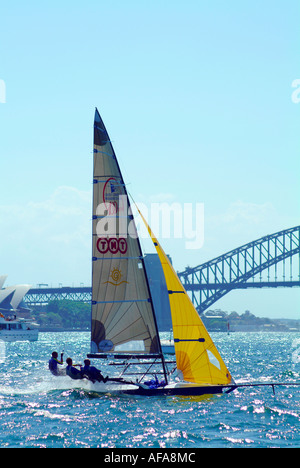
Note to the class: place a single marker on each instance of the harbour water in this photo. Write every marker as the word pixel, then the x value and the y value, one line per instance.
pixel 39 410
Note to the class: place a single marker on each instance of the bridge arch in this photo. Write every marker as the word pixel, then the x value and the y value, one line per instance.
pixel 277 255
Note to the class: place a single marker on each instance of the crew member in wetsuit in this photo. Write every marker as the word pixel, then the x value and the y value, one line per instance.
pixel 72 372
pixel 54 362
pixel 93 373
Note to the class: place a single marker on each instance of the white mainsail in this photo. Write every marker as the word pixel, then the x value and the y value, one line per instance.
pixel 122 311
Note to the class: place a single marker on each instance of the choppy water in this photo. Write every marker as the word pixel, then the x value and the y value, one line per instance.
pixel 38 411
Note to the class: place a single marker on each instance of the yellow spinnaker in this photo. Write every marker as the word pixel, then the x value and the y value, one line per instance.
pixel 196 354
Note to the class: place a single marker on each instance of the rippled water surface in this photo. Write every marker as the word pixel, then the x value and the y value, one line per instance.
pixel 38 410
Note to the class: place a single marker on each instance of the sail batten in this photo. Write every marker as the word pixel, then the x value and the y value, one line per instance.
pixel 123 301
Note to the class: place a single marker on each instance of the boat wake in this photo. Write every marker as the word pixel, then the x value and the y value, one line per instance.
pixel 48 384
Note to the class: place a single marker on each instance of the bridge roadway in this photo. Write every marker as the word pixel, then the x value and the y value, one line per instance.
pixel 42 296
pixel 252 265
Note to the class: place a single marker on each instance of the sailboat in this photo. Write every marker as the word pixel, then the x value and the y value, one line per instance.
pixel 124 327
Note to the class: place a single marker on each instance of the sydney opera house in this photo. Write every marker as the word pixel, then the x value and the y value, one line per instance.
pixel 12 298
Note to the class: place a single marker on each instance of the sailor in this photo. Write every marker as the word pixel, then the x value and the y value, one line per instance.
pixel 54 362
pixel 93 373
pixel 72 372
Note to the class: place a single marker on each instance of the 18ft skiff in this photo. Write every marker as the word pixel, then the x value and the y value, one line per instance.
pixel 124 327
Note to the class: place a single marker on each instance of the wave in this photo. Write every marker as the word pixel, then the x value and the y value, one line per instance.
pixel 49 383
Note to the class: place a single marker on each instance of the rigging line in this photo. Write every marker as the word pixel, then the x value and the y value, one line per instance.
pixel 103 152
pixel 148 286
pixel 133 217
pixel 109 176
pixel 115 302
pixel 113 216
pixel 115 184
pixel 196 340
pixel 116 258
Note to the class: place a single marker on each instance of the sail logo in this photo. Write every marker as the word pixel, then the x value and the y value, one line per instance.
pixel 111 195
pixel 116 276
pixel 112 245
pixel 2 92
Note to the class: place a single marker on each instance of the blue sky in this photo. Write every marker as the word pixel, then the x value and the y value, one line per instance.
pixel 197 99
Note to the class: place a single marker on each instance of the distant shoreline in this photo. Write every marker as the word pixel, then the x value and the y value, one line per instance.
pixel 245 330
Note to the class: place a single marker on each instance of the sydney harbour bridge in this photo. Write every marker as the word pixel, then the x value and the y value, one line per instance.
pixel 269 262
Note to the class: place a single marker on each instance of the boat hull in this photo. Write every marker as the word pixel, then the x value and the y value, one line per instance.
pixel 183 389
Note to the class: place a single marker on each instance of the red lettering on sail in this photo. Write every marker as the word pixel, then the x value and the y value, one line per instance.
pixel 112 245
pixel 102 245
pixel 122 245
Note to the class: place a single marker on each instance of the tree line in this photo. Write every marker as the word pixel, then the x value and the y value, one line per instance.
pixel 64 314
